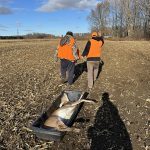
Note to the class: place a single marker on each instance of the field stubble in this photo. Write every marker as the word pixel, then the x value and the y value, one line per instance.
pixel 30 82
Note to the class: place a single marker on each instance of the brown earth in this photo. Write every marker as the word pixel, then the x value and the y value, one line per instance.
pixel 29 82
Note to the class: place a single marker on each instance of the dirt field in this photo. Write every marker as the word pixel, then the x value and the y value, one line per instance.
pixel 29 82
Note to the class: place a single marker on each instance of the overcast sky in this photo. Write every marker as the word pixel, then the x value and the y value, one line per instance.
pixel 46 16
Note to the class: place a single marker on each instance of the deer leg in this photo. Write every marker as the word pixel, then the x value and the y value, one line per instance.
pixel 62 127
pixel 69 104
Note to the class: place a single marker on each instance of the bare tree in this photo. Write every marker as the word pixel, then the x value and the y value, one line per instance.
pixel 127 18
pixel 145 10
pixel 118 19
pixel 98 18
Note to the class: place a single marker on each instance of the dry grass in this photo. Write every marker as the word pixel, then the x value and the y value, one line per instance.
pixel 30 82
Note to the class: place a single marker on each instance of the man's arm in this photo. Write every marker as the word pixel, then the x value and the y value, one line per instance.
pixel 75 51
pixel 86 49
pixel 99 38
pixel 102 39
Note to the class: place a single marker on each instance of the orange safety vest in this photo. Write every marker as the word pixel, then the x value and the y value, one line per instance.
pixel 95 49
pixel 65 51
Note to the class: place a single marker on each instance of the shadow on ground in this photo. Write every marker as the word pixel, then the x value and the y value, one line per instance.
pixel 79 69
pixel 100 68
pixel 109 131
pixel 82 67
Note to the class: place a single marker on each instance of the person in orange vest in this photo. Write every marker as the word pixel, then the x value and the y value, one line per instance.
pixel 68 53
pixel 93 52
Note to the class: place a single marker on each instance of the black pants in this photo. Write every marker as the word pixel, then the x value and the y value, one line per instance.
pixel 67 66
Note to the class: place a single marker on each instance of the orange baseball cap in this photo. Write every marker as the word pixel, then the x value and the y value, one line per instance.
pixel 94 34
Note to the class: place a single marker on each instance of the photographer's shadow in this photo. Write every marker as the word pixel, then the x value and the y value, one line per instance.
pixel 108 131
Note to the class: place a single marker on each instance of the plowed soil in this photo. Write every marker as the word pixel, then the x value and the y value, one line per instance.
pixel 30 82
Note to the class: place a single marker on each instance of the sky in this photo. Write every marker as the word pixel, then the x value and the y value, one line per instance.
pixel 20 17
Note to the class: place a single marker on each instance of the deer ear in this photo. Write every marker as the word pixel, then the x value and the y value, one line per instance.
pixel 64 100
pixel 66 97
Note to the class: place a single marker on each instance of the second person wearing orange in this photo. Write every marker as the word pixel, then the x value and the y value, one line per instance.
pixel 92 52
pixel 68 53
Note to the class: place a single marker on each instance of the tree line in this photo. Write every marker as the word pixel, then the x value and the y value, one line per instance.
pixel 122 18
pixel 29 36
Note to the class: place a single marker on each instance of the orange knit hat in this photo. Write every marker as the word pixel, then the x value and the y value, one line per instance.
pixel 94 34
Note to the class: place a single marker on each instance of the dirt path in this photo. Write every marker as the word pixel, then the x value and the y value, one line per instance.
pixel 29 84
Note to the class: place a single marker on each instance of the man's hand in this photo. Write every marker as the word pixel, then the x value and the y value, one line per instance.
pixel 83 58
